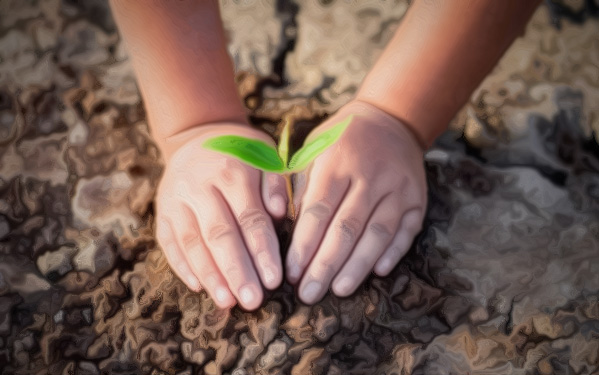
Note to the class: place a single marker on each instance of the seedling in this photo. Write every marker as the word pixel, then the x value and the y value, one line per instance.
pixel 265 157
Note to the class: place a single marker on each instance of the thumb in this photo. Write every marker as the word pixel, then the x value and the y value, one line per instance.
pixel 274 194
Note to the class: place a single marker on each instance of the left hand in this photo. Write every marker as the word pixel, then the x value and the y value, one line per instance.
pixel 364 202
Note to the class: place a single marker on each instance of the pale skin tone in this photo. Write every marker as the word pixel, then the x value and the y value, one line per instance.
pixel 365 197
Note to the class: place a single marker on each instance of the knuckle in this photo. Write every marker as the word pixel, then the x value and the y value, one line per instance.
pixel 232 172
pixel 320 210
pixel 234 273
pixel 349 229
pixel 396 252
pixel 219 231
pixel 323 269
pixel 191 242
pixel 300 253
pixel 209 279
pixel 380 230
pixel 253 218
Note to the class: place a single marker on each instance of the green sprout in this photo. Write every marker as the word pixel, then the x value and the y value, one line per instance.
pixel 265 157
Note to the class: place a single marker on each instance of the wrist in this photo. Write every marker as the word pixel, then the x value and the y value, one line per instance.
pixel 423 122
pixel 200 133
pixel 361 107
pixel 169 115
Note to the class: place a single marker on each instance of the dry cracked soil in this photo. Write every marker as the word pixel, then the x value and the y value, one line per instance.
pixel 503 279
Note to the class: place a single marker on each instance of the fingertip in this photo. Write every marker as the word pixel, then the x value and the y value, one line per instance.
pixel 272 277
pixel 310 293
pixel 268 263
pixel 250 296
pixel 344 286
pixel 223 297
pixel 387 262
pixel 382 269
pixel 193 283
pixel 274 194
pixel 180 268
pixel 410 225
pixel 277 206
pixel 412 221
pixel 293 273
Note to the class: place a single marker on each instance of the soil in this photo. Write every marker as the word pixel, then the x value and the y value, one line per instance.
pixel 503 279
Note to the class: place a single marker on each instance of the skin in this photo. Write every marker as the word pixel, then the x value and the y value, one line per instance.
pixel 440 52
pixel 365 196
pixel 214 215
pixel 212 222
pixel 363 210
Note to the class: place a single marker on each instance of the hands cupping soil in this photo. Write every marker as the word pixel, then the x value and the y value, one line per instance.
pixel 214 221
pixel 363 203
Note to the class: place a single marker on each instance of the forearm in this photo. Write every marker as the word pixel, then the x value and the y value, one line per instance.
pixel 440 53
pixel 184 72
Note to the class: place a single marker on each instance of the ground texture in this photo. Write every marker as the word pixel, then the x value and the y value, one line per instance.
pixel 504 278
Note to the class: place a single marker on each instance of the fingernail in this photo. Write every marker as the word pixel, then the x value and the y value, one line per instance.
pixel 246 294
pixel 384 266
pixel 293 272
pixel 193 282
pixel 311 291
pixel 269 275
pixel 344 285
pixel 221 294
pixel 277 203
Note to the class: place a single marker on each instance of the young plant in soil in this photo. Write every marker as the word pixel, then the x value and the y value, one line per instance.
pixel 263 156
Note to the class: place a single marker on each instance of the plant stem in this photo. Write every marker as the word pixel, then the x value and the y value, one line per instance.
pixel 291 206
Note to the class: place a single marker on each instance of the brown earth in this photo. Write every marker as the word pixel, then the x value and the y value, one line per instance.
pixel 503 279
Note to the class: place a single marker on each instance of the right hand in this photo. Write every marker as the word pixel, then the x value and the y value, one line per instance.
pixel 214 219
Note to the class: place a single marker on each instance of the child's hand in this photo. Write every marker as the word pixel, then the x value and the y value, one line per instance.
pixel 213 221
pixel 363 204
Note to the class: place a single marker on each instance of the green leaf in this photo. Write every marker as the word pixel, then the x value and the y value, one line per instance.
pixel 316 146
pixel 253 152
pixel 284 142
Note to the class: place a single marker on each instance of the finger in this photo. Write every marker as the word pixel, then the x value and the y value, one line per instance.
pixel 258 232
pixel 174 255
pixel 339 241
pixel 200 260
pixel 317 209
pixel 410 225
pixel 221 235
pixel 274 194
pixel 377 236
pixel 299 183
